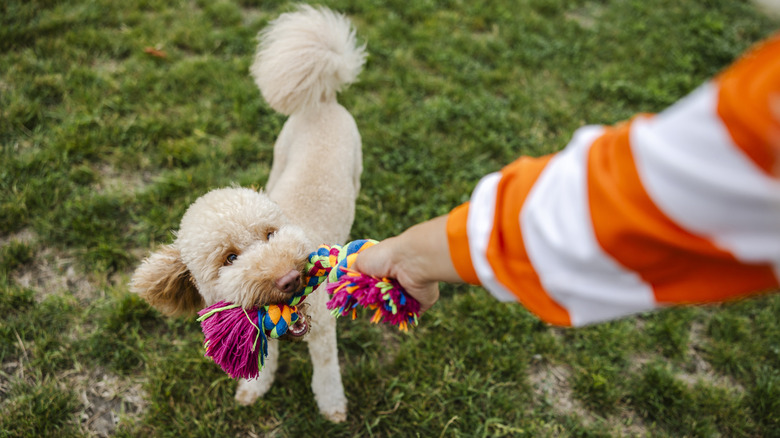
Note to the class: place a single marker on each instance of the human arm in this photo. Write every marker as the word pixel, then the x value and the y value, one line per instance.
pixel 678 208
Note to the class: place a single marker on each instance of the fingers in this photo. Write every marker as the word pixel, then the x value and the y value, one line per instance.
pixel 427 297
pixel 385 260
pixel 373 261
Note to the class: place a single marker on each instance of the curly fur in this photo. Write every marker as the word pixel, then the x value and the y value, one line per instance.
pixel 236 244
pixel 165 282
pixel 305 58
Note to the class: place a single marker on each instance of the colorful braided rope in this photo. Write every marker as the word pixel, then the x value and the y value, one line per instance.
pixel 350 289
pixel 237 339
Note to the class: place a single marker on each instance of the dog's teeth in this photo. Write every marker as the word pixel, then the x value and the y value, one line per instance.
pixel 299 328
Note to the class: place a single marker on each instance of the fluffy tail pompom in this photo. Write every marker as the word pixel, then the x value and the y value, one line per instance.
pixel 305 57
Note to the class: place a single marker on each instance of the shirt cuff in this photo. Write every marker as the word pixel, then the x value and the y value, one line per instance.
pixel 458 241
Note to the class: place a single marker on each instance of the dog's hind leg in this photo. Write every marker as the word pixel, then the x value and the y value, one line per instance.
pixel 249 390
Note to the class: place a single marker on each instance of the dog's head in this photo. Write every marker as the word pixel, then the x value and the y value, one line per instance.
pixel 234 245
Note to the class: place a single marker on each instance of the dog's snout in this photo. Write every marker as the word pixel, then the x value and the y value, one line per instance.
pixel 290 282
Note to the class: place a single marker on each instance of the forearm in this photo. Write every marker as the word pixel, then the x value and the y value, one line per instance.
pixel 423 250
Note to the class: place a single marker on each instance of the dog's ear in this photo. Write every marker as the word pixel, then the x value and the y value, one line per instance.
pixel 164 281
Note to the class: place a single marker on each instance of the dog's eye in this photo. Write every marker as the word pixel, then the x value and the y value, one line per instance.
pixel 270 235
pixel 230 259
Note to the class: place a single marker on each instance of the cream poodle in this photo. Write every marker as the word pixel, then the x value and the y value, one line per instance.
pixel 249 247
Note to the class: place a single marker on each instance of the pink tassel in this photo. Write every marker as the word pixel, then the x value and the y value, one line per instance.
pixel 391 304
pixel 232 338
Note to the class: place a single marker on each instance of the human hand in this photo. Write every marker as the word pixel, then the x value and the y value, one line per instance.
pixel 386 259
pixel 418 259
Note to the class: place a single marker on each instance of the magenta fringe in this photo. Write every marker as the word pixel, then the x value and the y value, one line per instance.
pixel 233 340
pixel 385 296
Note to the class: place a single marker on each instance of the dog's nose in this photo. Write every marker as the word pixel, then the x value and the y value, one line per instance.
pixel 290 282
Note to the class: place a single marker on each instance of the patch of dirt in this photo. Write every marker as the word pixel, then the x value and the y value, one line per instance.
pixel 627 423
pixel 250 17
pixel 699 368
pixel 113 180
pixel 586 16
pixel 108 66
pixel 53 272
pixel 105 400
pixel 696 368
pixel 550 383
pixel 25 236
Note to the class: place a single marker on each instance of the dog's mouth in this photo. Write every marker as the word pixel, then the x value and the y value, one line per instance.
pixel 301 326
pixel 299 329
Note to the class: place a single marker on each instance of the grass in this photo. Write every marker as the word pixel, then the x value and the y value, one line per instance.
pixel 104 145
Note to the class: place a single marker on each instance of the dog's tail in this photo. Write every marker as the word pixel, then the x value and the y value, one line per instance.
pixel 305 57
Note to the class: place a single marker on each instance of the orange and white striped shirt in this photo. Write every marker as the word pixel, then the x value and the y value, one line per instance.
pixel 678 207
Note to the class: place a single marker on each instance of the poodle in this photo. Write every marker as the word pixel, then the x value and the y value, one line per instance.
pixel 249 247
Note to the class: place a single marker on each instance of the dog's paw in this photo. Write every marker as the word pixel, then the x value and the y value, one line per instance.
pixel 338 415
pixel 250 390
pixel 246 396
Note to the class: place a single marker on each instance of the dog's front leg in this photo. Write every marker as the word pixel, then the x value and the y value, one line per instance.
pixel 249 390
pixel 326 373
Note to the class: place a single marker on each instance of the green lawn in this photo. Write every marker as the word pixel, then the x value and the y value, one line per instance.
pixel 104 145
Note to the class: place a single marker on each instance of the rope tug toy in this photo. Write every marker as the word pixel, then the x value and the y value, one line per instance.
pixel 232 333
pixel 349 289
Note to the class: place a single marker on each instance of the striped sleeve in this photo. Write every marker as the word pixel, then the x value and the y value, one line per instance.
pixel 678 207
